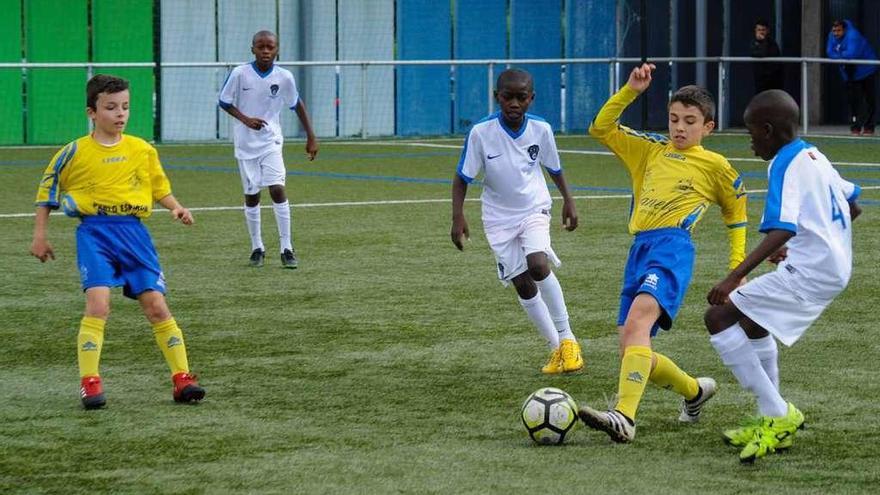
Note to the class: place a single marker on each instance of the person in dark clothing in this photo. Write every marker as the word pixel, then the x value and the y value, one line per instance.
pixel 846 42
pixel 768 75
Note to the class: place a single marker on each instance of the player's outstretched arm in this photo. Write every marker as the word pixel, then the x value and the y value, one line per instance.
pixel 252 122
pixel 40 246
pixel 640 77
pixel 772 242
pixel 178 212
pixel 311 140
pixel 569 212
pixel 459 223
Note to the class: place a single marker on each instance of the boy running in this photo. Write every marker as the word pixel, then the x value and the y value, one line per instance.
pixel 674 182
pixel 808 221
pixel 509 148
pixel 110 180
pixel 254 94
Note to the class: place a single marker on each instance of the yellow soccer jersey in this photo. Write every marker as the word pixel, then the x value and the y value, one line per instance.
pixel 88 178
pixel 672 187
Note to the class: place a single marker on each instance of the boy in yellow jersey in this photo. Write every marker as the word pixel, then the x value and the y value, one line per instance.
pixel 110 181
pixel 674 181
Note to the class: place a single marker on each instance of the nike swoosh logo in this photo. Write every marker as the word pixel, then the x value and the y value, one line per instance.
pixel 492 157
pixel 245 89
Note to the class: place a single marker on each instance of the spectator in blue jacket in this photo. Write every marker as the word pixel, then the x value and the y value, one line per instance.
pixel 846 42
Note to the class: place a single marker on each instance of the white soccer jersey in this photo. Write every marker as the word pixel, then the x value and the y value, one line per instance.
pixel 807 196
pixel 262 95
pixel 513 184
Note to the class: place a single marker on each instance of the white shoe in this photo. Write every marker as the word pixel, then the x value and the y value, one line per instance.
pixel 612 422
pixel 690 410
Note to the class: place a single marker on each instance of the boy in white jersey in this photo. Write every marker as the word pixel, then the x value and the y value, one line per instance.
pixel 255 94
pixel 509 148
pixel 808 221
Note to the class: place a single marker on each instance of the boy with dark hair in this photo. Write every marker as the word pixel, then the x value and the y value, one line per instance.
pixel 255 94
pixel 510 148
pixel 110 180
pixel 674 182
pixel 808 221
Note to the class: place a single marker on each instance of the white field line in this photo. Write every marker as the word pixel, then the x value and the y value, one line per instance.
pixel 608 153
pixel 377 203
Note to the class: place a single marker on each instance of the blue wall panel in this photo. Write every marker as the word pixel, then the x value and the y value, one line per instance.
pixel 480 33
pixel 318 89
pixel 590 27
pixel 536 32
pixel 423 104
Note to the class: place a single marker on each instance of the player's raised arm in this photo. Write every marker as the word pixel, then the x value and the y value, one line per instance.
pixel 629 145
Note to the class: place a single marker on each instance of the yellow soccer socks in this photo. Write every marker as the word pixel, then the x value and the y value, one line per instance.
pixel 88 345
pixel 666 374
pixel 170 340
pixel 635 367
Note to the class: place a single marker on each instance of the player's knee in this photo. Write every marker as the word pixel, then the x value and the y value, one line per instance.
pixel 99 310
pixel 156 310
pixel 525 286
pixel 712 319
pixel 539 271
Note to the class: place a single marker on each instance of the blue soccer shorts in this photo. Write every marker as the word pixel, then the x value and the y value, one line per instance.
pixel 660 263
pixel 117 251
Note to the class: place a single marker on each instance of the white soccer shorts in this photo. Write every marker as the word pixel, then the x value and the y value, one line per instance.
pixel 771 302
pixel 267 170
pixel 511 245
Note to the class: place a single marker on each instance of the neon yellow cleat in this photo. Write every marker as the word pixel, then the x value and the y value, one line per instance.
pixel 774 433
pixel 554 364
pixel 572 360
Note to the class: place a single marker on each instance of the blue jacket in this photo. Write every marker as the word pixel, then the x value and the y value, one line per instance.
pixel 851 46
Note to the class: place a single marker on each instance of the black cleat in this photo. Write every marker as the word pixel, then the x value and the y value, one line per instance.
pixel 257 257
pixel 288 259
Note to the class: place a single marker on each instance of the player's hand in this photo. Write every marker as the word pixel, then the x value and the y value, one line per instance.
pixel 311 148
pixel 42 250
pixel 640 77
pixel 183 215
pixel 778 256
pixel 254 123
pixel 459 230
pixel 569 216
pixel 718 294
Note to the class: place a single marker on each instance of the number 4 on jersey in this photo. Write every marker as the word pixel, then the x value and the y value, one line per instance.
pixel 836 213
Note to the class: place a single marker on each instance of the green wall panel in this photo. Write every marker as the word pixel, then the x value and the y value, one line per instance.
pixel 12 130
pixel 123 32
pixel 56 31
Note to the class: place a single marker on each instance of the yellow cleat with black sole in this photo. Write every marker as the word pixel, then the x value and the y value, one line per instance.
pixel 572 359
pixel 554 364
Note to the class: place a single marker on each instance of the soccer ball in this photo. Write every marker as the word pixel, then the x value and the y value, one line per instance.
pixel 548 415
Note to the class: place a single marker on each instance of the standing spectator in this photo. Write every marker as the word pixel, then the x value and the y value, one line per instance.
pixel 768 75
pixel 846 42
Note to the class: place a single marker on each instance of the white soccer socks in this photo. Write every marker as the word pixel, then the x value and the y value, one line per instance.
pixel 540 316
pixel 768 353
pixel 252 217
pixel 551 292
pixel 282 219
pixel 740 358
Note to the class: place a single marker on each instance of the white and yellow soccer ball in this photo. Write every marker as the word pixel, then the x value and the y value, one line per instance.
pixel 549 414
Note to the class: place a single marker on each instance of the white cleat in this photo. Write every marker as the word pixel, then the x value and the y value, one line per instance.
pixel 690 410
pixel 612 422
